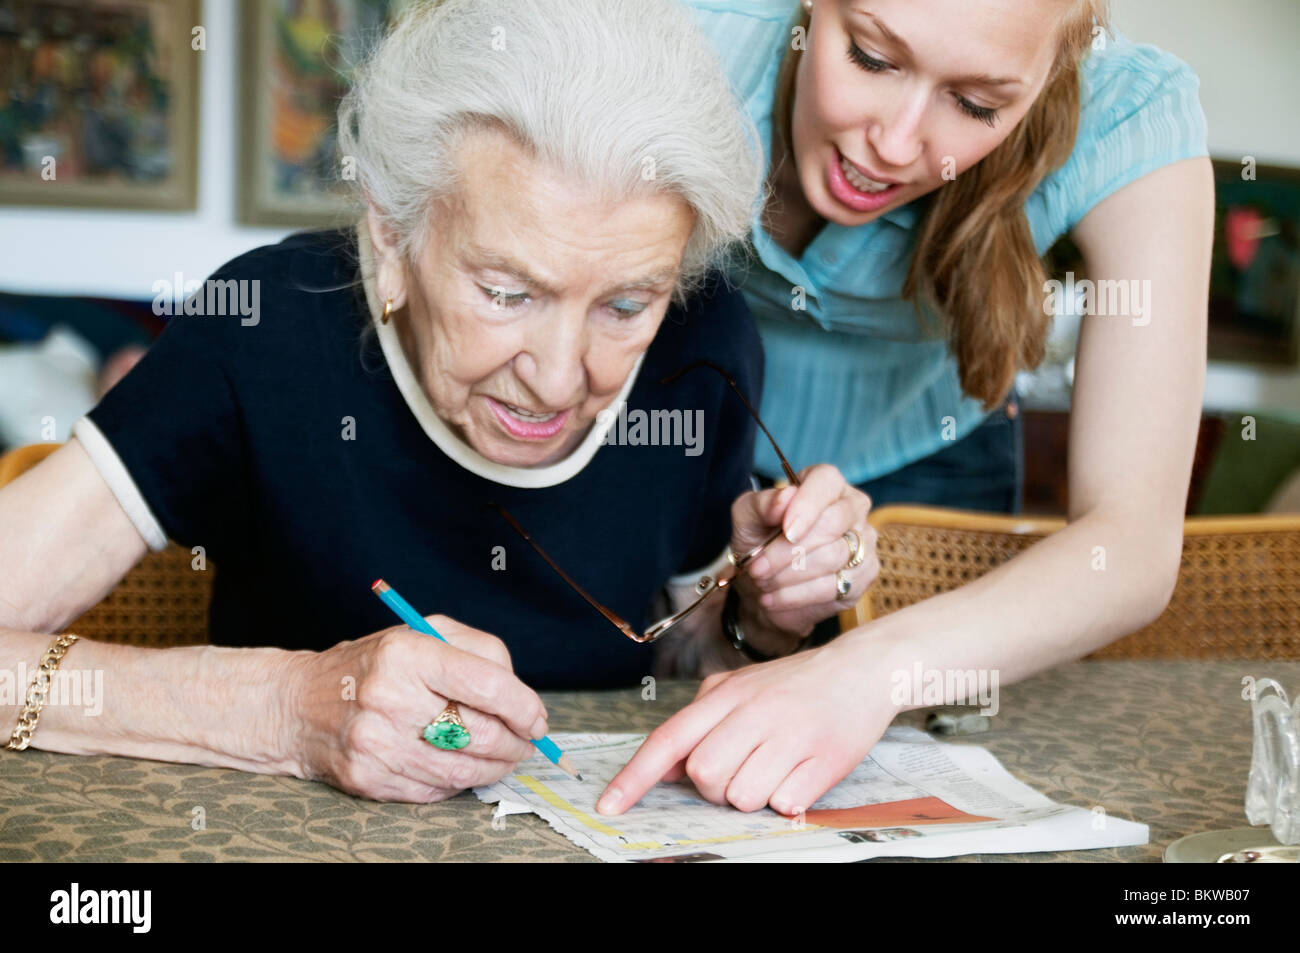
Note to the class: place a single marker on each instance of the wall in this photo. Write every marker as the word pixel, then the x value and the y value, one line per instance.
pixel 1245 54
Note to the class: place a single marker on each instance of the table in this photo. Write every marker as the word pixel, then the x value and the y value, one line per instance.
pixel 1165 743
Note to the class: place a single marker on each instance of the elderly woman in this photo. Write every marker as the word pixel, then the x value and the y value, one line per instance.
pixel 547 184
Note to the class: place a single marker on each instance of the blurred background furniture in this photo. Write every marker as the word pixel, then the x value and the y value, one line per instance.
pixel 58 354
pixel 1047 445
pixel 1257 459
pixel 1243 462
pixel 162 602
pixel 1237 597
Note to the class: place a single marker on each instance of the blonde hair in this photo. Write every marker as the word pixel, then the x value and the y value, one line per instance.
pixel 975 262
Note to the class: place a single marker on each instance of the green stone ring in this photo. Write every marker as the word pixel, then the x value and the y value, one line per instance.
pixel 447 731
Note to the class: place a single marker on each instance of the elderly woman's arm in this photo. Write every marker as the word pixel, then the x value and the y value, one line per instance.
pixel 66 545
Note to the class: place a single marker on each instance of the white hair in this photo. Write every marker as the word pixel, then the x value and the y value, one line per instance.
pixel 625 96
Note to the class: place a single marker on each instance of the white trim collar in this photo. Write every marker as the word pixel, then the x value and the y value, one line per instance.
pixel 437 430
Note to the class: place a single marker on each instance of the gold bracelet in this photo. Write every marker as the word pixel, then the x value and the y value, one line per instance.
pixel 39 691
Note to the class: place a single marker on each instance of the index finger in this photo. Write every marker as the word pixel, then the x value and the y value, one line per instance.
pixel 822 486
pixel 667 746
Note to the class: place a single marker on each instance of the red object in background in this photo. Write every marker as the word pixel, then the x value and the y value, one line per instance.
pixel 1241 228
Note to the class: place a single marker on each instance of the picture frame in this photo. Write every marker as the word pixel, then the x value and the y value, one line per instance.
pixel 1254 301
pixel 99 103
pixel 296 63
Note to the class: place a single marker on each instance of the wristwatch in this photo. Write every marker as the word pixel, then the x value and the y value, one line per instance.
pixel 731 629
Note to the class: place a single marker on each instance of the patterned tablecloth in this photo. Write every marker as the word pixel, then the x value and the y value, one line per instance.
pixel 1165 743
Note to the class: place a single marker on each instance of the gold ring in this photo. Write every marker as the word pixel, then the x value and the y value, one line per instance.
pixel 856 552
pixel 447 731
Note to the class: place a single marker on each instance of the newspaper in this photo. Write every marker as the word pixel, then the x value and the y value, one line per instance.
pixel 913 796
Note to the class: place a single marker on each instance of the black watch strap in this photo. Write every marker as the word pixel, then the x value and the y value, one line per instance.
pixel 731 628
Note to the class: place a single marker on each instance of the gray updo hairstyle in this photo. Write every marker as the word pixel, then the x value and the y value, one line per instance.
pixel 626 95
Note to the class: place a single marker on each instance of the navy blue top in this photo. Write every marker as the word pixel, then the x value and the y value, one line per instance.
pixel 234 436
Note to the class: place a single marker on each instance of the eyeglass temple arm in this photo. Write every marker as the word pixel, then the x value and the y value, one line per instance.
pixel 714 584
pixel 785 464
pixel 666 623
pixel 612 616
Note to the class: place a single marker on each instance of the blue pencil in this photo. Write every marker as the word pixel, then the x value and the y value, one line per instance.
pixel 407 614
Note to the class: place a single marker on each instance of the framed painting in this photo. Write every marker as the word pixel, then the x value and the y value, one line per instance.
pixel 99 103
pixel 1255 275
pixel 298 62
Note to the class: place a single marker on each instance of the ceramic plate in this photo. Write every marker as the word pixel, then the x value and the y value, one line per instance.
pixel 1208 847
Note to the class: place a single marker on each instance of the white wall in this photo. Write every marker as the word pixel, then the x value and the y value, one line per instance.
pixel 1244 51
pixel 1247 53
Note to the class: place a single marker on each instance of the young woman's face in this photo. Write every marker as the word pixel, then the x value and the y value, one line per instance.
pixel 895 97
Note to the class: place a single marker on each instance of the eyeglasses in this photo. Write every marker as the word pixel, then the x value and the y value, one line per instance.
pixel 707 585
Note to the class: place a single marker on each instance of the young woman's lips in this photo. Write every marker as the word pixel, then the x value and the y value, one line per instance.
pixel 850 195
pixel 521 428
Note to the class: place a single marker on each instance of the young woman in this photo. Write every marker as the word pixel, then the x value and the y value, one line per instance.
pixel 922 155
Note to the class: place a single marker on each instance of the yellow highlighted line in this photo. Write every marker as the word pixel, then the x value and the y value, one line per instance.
pixel 553 799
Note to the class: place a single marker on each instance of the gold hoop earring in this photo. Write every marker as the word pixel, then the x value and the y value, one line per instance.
pixel 388 308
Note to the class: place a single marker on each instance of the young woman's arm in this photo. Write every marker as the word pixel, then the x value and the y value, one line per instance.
pixel 1137 397
pixel 1137 403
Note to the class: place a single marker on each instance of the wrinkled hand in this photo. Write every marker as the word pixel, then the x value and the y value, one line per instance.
pixel 781 734
pixel 794 579
pixel 358 712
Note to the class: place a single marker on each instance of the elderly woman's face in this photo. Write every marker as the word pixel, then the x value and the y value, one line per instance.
pixel 533 299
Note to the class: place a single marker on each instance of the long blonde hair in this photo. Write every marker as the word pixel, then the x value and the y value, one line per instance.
pixel 975 262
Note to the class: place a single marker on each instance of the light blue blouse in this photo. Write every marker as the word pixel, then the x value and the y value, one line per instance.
pixel 853 379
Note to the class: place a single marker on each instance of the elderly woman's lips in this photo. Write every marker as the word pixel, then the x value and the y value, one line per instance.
pixel 523 428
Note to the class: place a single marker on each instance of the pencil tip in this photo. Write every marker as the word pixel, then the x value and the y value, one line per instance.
pixel 379 585
pixel 580 777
